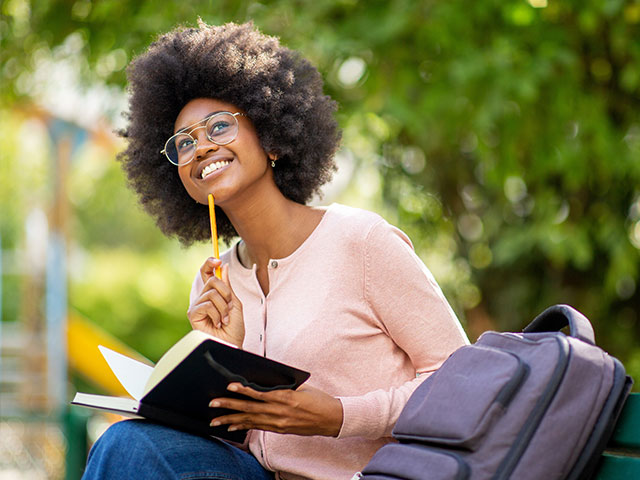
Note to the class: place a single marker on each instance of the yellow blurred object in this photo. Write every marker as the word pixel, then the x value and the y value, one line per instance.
pixel 83 339
pixel 538 3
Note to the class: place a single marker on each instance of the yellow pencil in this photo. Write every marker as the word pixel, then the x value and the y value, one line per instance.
pixel 214 232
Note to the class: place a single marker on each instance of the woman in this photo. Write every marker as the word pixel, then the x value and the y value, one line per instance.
pixel 336 291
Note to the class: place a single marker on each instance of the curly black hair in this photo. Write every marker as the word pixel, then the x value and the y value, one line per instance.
pixel 279 90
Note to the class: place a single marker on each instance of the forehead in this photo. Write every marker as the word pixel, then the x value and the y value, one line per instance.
pixel 197 109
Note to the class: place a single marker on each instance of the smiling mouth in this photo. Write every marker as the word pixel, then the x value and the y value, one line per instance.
pixel 212 167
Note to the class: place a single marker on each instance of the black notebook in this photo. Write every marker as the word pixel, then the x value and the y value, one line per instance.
pixel 177 391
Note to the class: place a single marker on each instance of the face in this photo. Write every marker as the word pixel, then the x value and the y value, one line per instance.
pixel 228 171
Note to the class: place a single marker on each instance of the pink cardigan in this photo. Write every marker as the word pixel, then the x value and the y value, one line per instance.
pixel 356 307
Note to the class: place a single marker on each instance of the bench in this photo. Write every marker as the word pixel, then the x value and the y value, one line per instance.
pixel 621 459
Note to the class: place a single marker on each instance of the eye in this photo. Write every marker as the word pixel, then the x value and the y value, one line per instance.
pixel 218 127
pixel 184 143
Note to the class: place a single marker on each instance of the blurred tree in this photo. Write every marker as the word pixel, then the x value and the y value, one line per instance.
pixel 504 134
pixel 524 124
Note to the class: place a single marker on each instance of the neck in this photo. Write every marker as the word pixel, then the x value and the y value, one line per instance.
pixel 271 226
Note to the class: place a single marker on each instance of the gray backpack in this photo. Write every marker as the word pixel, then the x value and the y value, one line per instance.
pixel 532 405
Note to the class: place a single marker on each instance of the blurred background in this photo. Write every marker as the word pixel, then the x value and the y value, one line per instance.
pixel 502 135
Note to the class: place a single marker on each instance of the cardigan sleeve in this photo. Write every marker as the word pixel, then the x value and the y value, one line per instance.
pixel 407 303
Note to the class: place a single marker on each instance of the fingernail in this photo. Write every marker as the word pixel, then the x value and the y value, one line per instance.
pixel 225 320
pixel 215 423
pixel 214 403
pixel 232 388
pixel 232 429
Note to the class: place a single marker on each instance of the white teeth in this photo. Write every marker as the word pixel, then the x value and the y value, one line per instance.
pixel 212 167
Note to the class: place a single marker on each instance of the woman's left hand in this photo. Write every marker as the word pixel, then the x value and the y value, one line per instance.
pixel 306 411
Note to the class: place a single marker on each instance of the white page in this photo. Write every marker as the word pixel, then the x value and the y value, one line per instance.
pixel 132 374
pixel 121 405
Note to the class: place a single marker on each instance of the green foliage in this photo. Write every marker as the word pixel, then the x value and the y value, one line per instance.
pixel 528 121
pixel 503 138
pixel 141 299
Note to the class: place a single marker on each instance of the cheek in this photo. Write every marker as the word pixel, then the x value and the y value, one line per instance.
pixel 249 143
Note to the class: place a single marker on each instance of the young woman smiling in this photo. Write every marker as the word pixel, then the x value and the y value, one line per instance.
pixel 333 290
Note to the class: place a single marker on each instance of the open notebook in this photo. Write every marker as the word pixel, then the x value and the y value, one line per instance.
pixel 177 391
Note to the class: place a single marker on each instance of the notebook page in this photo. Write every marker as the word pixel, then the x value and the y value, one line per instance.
pixel 132 374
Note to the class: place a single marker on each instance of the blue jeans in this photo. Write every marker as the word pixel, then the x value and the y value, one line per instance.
pixel 139 450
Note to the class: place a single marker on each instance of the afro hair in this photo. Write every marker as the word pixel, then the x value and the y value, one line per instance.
pixel 279 90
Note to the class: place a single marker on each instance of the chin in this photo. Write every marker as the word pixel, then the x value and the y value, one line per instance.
pixel 197 195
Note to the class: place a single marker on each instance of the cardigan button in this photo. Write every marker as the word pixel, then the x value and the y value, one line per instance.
pixel 274 264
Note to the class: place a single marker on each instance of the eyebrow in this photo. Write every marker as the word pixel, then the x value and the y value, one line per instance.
pixel 183 129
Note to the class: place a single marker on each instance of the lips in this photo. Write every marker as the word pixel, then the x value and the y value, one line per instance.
pixel 211 165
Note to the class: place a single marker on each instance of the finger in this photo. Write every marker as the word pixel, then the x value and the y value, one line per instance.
pixel 275 396
pixel 251 421
pixel 258 422
pixel 246 406
pixel 248 391
pixel 238 418
pixel 215 299
pixel 214 283
pixel 204 312
pixel 208 268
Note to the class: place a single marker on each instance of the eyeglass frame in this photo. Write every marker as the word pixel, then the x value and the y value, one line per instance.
pixel 183 131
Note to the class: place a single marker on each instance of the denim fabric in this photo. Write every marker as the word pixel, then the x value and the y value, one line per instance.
pixel 138 450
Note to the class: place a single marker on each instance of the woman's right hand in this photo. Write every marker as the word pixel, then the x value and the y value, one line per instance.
pixel 217 311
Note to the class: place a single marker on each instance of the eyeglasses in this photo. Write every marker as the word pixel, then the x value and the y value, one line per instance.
pixel 221 128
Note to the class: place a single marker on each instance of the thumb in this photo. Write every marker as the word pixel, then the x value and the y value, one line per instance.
pixel 208 268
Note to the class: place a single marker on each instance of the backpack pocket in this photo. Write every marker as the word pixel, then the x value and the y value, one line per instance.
pixel 460 402
pixel 414 462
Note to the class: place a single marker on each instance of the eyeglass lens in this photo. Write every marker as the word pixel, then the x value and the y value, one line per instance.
pixel 220 129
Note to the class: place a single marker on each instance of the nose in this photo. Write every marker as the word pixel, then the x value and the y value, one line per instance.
pixel 203 144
